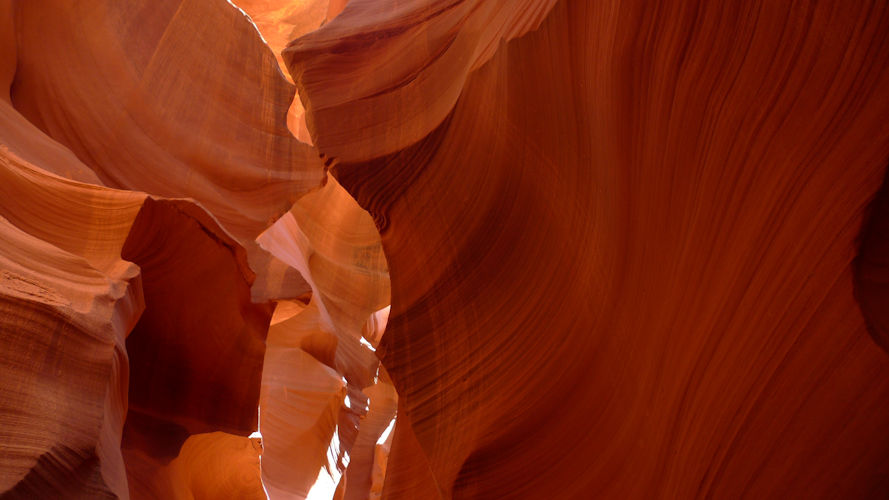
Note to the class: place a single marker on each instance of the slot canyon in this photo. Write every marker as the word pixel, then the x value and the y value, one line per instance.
pixel 444 249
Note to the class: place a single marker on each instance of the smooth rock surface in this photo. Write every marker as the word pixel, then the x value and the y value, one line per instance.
pixel 621 266
pixel 611 249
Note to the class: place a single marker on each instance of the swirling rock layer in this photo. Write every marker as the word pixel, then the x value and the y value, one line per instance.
pixel 85 266
pixel 635 250
pixel 70 301
pixel 621 266
pixel 178 98
pixel 323 356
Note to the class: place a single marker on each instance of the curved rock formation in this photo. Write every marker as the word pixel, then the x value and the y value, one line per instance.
pixel 196 354
pixel 872 268
pixel 300 403
pixel 73 298
pixel 60 405
pixel 324 353
pixel 81 263
pixel 180 99
pixel 280 21
pixel 386 73
pixel 366 460
pixel 626 251
pixel 212 466
pixel 336 247
pixel 634 250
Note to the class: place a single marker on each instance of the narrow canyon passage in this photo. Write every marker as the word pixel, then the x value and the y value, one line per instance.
pixel 444 249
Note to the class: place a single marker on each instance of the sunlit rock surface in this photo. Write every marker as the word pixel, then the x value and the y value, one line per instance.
pixel 575 249
pixel 177 98
pixel 71 300
pixel 324 355
pixel 128 319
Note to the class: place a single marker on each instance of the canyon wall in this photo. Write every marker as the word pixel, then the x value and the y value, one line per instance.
pixel 622 263
pixel 572 249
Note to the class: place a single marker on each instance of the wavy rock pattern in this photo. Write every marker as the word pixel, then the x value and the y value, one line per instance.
pixel 634 250
pixel 385 74
pixel 69 302
pixel 77 301
pixel 60 405
pixel 635 229
pixel 279 22
pixel 325 352
pixel 301 398
pixel 209 466
pixel 197 353
pixel 81 263
pixel 182 84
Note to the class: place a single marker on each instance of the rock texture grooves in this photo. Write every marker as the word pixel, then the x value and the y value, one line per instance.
pixel 177 98
pixel 324 354
pixel 621 263
pixel 70 302
pixel 572 249
pixel 128 320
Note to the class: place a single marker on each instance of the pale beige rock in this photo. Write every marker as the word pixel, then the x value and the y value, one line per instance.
pixel 336 247
pixel 365 468
pixel 300 402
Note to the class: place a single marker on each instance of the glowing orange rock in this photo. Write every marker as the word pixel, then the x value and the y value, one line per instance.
pixel 178 98
pixel 73 292
pixel 621 264
pixel 633 249
pixel 364 102
pixel 210 466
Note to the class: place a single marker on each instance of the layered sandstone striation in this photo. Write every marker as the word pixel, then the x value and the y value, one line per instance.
pixel 93 340
pixel 131 321
pixel 621 263
pixel 178 98
pixel 444 249
pixel 328 348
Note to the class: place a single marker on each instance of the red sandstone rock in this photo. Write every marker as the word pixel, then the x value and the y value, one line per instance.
pixel 280 21
pixel 872 268
pixel 70 300
pixel 633 249
pixel 210 466
pixel 384 74
pixel 81 262
pixel 621 266
pixel 178 98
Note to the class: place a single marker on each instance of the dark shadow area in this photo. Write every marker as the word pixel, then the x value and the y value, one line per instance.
pixel 871 267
